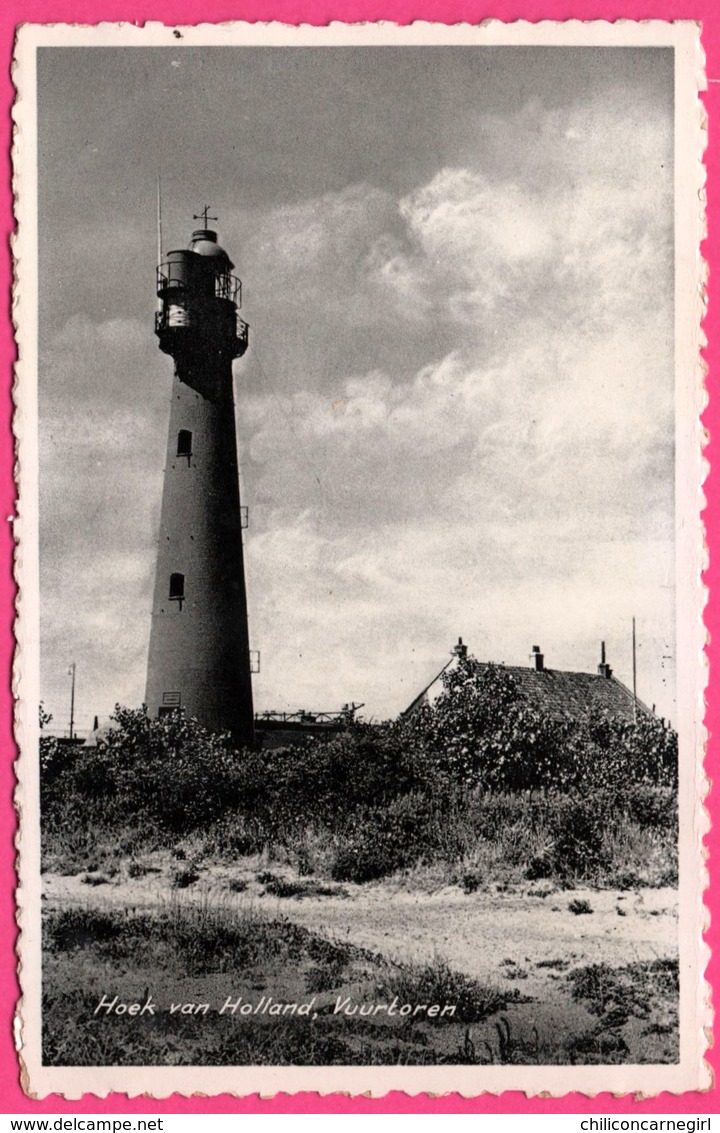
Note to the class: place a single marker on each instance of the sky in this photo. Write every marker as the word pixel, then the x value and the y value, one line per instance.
pixel 456 413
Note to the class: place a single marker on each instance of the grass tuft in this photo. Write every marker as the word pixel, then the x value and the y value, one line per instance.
pixel 580 907
pixel 181 877
pixel 437 982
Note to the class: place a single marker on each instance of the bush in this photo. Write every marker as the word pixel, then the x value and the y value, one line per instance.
pixel 580 907
pixel 387 839
pixel 616 994
pixel 482 731
pixel 362 856
pixel 237 884
pixel 183 876
pixel 470 882
pixel 169 772
pixel 95 879
pixel 438 983
pixel 479 778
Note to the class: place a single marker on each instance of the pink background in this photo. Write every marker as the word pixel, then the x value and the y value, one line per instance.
pixel 12 1098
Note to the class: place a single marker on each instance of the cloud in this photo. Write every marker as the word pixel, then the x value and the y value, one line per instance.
pixel 316 601
pixel 584 255
pixel 102 438
pixel 478 442
pixel 522 480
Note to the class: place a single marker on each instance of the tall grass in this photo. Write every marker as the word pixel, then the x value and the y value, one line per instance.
pixel 480 778
pixel 436 982
pixel 203 936
pixel 600 839
pixel 229 948
pixel 89 951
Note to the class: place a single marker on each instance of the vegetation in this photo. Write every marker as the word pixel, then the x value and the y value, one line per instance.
pixel 480 791
pixel 580 907
pixel 86 949
pixel 221 952
pixel 480 783
pixel 438 983
pixel 637 998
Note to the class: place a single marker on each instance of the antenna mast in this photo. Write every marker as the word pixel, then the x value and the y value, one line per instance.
pixel 159 222
pixel 71 672
pixel 634 647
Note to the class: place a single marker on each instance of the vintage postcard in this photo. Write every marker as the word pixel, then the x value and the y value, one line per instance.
pixel 360 650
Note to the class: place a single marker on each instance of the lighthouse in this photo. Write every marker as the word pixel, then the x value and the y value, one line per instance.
pixel 199 657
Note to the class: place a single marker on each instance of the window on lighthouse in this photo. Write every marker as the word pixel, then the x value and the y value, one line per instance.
pixel 177 588
pixel 184 443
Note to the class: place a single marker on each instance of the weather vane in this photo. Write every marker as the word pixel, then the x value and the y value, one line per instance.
pixel 204 215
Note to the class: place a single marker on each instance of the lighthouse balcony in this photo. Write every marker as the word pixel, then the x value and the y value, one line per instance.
pixel 175 278
pixel 174 323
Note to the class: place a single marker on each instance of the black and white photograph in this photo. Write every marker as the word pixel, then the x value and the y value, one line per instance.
pixel 359 675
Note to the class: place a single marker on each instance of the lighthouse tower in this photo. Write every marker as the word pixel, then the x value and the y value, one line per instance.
pixel 199 660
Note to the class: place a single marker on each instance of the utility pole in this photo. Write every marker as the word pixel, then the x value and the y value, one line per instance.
pixel 71 672
pixel 634 651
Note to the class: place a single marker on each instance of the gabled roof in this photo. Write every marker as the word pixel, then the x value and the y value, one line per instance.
pixel 554 692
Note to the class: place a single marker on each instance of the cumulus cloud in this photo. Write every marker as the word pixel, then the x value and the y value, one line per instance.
pixel 526 480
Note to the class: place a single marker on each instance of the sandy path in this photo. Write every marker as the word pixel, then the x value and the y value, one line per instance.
pixel 494 937
pixel 490 936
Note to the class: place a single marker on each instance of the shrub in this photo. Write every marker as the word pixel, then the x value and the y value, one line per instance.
pixel 438 983
pixel 362 857
pixel 580 907
pixel 388 839
pixel 617 994
pixel 288 887
pixel 480 780
pixel 237 885
pixel 95 879
pixel 170 772
pixel 183 876
pixel 470 882
pixel 578 826
pixel 482 731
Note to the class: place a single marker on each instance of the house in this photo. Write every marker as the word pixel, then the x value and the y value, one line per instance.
pixel 554 692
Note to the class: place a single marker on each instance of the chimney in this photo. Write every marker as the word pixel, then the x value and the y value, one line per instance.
pixel 460 650
pixel 604 669
pixel 537 660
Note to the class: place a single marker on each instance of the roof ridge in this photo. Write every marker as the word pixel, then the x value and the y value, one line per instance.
pixel 558 690
pixel 547 669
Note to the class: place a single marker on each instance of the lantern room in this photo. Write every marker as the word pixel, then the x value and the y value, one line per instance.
pixel 200 300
